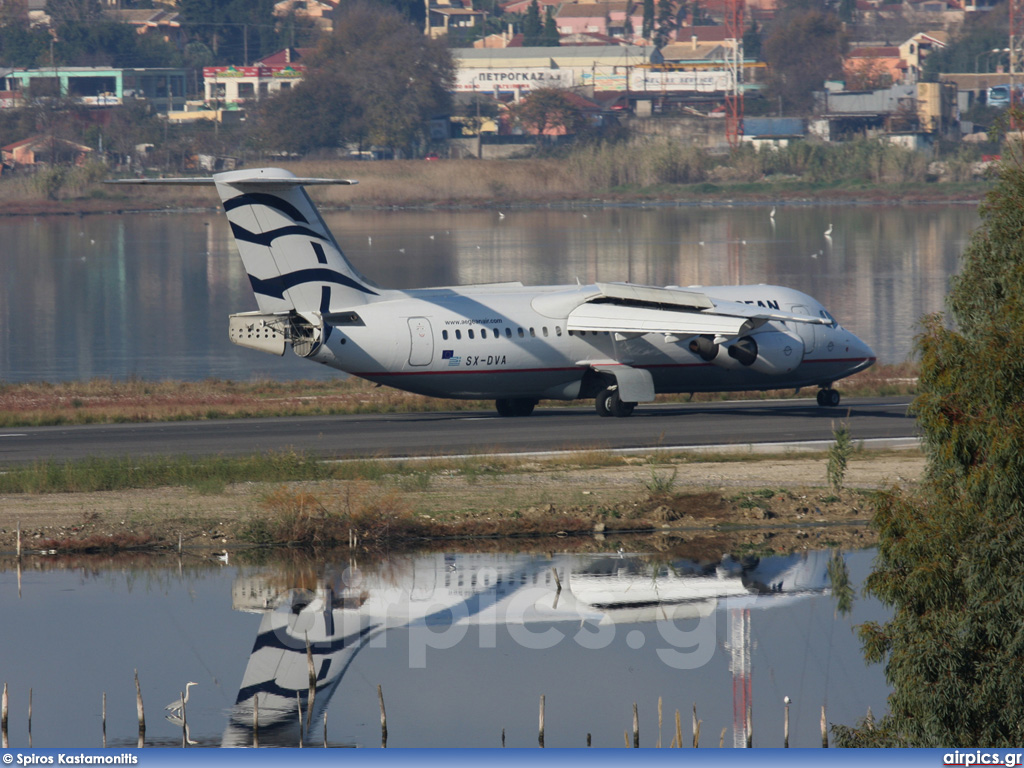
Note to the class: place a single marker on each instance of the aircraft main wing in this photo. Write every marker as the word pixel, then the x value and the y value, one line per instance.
pixel 634 309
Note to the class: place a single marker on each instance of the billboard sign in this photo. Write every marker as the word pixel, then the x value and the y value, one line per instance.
pixel 512 79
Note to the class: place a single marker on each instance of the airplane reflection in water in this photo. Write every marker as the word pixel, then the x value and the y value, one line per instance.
pixel 435 598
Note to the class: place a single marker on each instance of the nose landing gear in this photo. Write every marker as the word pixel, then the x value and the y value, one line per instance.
pixel 828 397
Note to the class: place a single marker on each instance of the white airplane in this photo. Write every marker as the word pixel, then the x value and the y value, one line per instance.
pixel 423 596
pixel 618 343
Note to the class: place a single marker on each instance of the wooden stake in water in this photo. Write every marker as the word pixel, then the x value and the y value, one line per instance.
pixel 721 738
pixel 30 717
pixel 785 725
pixel 18 540
pixel 696 727
pixel 325 729
pixel 636 727
pixel 540 735
pixel 140 710
pixel 383 719
pixel 558 582
pixel 3 718
pixel 184 721
pixel 312 682
pixel 588 739
pixel 256 720
pixel 298 703
pixel 185 739
pixel 104 719
pixel 679 731
pixel 750 727
pixel 659 722
pixel 824 728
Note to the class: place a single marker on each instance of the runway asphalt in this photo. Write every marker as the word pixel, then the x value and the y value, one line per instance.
pixel 429 434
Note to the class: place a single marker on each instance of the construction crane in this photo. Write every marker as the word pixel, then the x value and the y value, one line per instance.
pixel 739 666
pixel 735 10
pixel 1016 48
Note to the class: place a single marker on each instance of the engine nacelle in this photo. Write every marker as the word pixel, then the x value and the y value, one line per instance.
pixel 771 352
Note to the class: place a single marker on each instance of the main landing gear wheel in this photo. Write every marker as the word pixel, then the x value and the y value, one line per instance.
pixel 828 398
pixel 515 406
pixel 608 403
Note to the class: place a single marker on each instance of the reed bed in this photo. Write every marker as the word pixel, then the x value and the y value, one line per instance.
pixel 639 168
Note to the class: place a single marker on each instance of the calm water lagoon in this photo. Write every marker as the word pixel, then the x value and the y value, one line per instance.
pixel 148 295
pixel 463 645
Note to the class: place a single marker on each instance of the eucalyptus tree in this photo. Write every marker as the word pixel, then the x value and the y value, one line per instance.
pixel 951 553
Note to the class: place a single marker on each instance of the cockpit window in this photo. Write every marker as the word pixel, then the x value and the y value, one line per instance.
pixel 827 316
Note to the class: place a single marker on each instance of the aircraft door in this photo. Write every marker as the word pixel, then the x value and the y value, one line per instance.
pixel 421 341
pixel 806 331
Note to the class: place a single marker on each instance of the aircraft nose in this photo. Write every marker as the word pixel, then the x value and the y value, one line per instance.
pixel 859 352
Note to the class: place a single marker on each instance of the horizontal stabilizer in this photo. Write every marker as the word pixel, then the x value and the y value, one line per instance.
pixel 253 180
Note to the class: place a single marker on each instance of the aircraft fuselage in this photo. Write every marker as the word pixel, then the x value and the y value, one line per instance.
pixel 504 342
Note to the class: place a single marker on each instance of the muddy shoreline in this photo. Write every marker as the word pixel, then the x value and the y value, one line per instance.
pixel 760 505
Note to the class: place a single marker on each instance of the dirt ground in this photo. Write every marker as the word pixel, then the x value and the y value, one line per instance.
pixel 779 504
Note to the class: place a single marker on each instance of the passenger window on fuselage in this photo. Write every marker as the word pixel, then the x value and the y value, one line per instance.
pixel 444 335
pixel 496 332
pixel 545 331
pixel 521 334
pixel 508 331
pixel 458 334
pixel 558 330
pixel 533 333
pixel 471 333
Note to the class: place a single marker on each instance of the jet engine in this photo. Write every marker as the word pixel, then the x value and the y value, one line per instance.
pixel 770 352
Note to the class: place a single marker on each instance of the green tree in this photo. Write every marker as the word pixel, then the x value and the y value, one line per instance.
pixel 237 31
pixel 533 27
pixel 972 49
pixel 627 22
pixel 63 12
pixel 549 37
pixel 752 42
pixel 648 27
pixel 548 109
pixel 950 554
pixel 376 80
pixel 20 44
pixel 665 23
pixel 802 50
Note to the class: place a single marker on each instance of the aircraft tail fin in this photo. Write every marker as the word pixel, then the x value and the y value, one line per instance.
pixel 290 255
